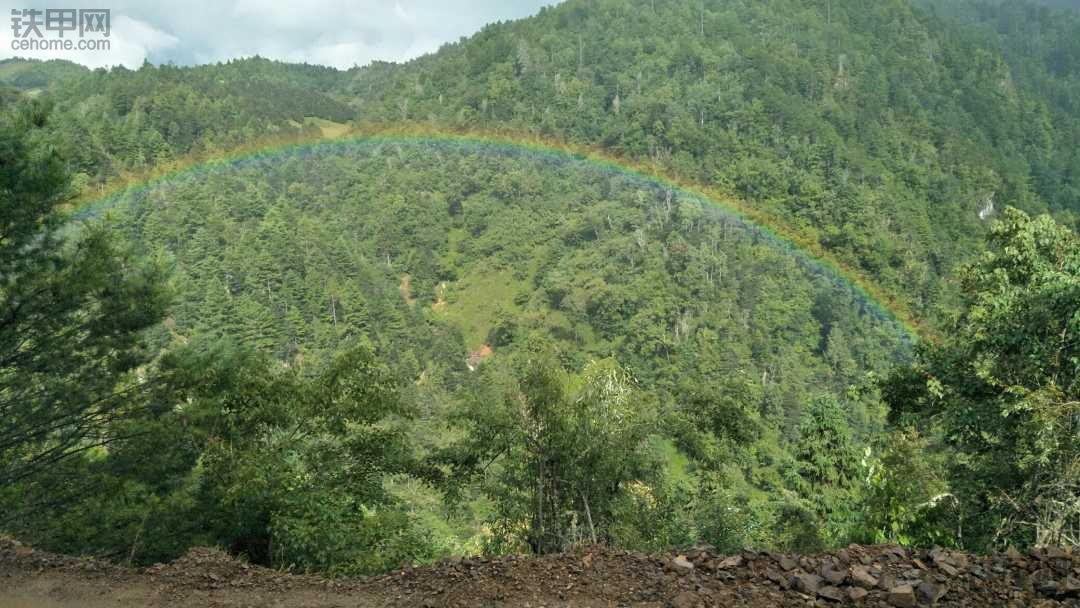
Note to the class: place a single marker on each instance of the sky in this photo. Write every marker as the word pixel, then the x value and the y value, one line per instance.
pixel 329 32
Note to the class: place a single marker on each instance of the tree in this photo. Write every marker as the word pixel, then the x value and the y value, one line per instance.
pixel 72 311
pixel 1002 389
pixel 829 464
pixel 560 449
pixel 292 469
pixel 281 468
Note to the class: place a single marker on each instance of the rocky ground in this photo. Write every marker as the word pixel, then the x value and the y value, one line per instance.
pixel 880 575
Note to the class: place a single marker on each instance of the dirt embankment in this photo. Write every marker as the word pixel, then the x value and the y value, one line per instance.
pixel 857 576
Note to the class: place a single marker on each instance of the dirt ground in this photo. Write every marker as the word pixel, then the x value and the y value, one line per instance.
pixel 589 578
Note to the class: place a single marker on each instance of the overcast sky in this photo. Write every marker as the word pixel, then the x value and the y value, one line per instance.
pixel 330 32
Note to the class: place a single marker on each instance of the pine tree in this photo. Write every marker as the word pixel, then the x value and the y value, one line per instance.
pixel 73 311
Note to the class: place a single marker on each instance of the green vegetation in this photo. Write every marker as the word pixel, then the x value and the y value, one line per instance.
pixel 112 122
pixel 73 311
pixel 876 128
pixel 345 357
pixel 1003 393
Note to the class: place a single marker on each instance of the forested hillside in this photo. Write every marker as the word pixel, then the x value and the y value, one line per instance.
pixel 340 356
pixel 890 135
pixel 117 121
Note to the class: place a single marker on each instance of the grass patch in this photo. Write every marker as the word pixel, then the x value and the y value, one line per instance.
pixel 329 128
pixel 475 301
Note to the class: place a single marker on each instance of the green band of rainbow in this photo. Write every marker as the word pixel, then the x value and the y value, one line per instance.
pixel 803 244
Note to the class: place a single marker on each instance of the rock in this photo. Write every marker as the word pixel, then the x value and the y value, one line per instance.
pixel 834 577
pixel 778 578
pixel 788 564
pixel 1071 586
pixel 831 593
pixel 947 569
pixel 1056 553
pixel 686 599
pixel 902 596
pixel 857 593
pixel 897 551
pixel 1048 588
pixel 861 578
pixel 731 562
pixel 681 565
pixel 930 593
pixel 806 583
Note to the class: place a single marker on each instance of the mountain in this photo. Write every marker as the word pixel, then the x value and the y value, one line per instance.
pixel 887 134
pixel 115 122
pixel 32 74
pixel 408 348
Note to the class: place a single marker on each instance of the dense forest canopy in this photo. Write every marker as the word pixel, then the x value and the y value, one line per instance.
pixel 343 357
pixel 890 134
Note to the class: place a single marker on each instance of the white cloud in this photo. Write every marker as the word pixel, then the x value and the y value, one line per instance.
pixel 402 14
pixel 332 32
pixel 130 42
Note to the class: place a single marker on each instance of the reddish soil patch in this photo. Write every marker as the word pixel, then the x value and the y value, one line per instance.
pixel 477 356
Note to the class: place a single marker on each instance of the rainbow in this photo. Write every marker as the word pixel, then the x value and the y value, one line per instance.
pixel 803 243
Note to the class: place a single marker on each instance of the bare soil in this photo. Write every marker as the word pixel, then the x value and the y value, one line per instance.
pixel 881 575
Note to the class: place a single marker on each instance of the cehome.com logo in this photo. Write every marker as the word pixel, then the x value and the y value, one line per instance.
pixel 61 29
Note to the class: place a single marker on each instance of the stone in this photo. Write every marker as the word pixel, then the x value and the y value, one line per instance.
pixel 831 593
pixel 682 565
pixel 930 593
pixel 897 551
pixel 778 578
pixel 788 564
pixel 861 578
pixel 731 562
pixel 1056 553
pixel 806 583
pixel 857 593
pixel 835 577
pixel 686 599
pixel 902 596
pixel 1071 586
pixel 1048 588
pixel 947 569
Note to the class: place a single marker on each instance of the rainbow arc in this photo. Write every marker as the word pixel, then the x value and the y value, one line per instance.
pixel 803 243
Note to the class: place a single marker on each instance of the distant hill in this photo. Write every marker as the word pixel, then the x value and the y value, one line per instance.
pixel 28 74
pixel 118 120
